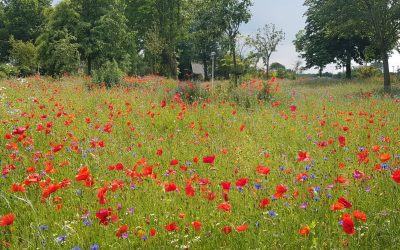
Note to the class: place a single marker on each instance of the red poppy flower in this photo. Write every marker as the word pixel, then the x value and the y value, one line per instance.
pixel 225 206
pixel 189 190
pixel 170 187
pixel 264 202
pixel 263 170
pixel 337 206
pixel 174 162
pixel 171 227
pixel 303 156
pixel 83 174
pixel 197 225
pixel 396 176
pixel 123 229
pixel 361 216
pixel 7 219
pixel 242 182
pixel 242 228
pixel 280 190
pixel 345 202
pixel 226 185
pixel 101 195
pixel 209 159
pixel 103 215
pixel 384 157
pixel 342 141
pixel 348 224
pixel 227 229
pixel 304 231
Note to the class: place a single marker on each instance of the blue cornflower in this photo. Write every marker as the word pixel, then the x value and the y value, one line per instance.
pixel 258 186
pixel 94 247
pixel 87 223
pixel 43 227
pixel 61 239
pixel 272 214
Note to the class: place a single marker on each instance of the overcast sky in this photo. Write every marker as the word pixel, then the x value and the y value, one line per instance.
pixel 288 16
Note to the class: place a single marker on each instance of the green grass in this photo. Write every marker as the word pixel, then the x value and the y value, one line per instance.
pixel 272 136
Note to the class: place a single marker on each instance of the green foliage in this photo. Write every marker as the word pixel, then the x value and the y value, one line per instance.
pixel 234 13
pixel 277 66
pixel 8 71
pixel 191 92
pixel 112 39
pixel 227 66
pixel 59 53
pixel 23 55
pixel 109 74
pixel 22 19
pixel 365 72
pixel 265 42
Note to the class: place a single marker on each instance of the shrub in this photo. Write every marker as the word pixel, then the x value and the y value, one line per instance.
pixel 109 74
pixel 8 71
pixel 191 92
pixel 24 56
pixel 366 72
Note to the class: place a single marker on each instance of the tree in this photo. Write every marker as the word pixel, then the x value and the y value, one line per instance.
pixel 23 55
pixel 112 39
pixel 234 13
pixel 153 45
pixel 206 30
pixel 59 53
pixel 314 48
pixel 89 12
pixel 22 19
pixel 277 66
pixel 381 21
pixel 330 35
pixel 265 43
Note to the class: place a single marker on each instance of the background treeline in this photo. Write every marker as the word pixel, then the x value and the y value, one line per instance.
pixel 110 38
pixel 342 32
pixel 134 36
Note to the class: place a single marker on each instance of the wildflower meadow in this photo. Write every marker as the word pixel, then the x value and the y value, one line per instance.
pixel 145 167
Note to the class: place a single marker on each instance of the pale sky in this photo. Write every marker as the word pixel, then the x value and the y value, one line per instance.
pixel 288 16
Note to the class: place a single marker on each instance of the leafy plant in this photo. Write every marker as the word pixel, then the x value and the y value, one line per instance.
pixel 109 74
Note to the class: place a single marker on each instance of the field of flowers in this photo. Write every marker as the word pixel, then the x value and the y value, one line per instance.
pixel 145 167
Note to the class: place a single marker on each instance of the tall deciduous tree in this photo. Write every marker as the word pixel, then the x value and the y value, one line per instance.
pixel 380 19
pixel 265 42
pixel 22 19
pixel 331 35
pixel 206 30
pixel 234 13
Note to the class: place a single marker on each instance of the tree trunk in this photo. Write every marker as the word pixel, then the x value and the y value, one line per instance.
pixel 320 71
pixel 205 68
pixel 234 66
pixel 348 68
pixel 89 66
pixel 386 73
pixel 267 68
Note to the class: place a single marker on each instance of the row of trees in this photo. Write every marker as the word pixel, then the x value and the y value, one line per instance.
pixel 341 31
pixel 139 36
